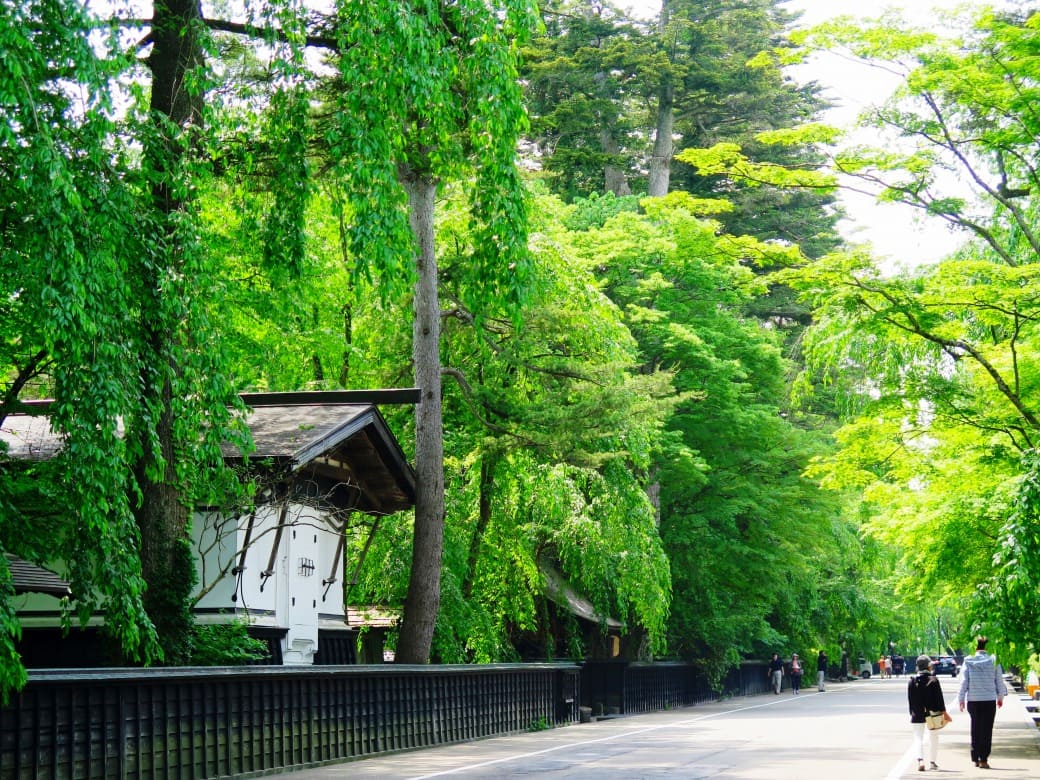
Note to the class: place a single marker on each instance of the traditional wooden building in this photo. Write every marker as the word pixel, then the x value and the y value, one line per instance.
pixel 327 466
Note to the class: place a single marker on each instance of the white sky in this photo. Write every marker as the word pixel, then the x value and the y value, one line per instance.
pixel 895 232
pixel 899 234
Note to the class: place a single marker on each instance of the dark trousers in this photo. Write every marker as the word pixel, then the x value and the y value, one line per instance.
pixel 982 713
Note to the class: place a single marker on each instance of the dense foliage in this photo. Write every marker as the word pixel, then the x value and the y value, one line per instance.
pixel 630 405
pixel 936 365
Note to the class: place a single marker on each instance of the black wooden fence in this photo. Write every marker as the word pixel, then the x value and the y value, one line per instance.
pixel 191 724
pixel 630 688
pixel 204 723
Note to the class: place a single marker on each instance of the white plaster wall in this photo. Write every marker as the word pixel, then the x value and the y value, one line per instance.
pixel 294 596
pixel 291 598
pixel 258 594
pixel 304 541
pixel 214 544
pixel 330 605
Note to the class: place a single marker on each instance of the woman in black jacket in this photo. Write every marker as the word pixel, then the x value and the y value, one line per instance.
pixel 925 695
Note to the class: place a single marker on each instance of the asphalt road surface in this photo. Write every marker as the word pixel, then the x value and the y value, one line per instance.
pixel 854 731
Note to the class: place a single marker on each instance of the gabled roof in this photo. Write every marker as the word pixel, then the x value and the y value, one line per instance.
pixel 346 444
pixel 335 438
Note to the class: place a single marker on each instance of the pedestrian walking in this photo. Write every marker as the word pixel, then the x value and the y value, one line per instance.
pixel 925 696
pixel 796 674
pixel 898 665
pixel 983 691
pixel 821 670
pixel 776 672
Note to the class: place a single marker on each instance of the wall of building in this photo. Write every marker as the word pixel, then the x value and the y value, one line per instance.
pixel 281 581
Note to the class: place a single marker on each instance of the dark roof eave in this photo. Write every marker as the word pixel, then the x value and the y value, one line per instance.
pixel 30 578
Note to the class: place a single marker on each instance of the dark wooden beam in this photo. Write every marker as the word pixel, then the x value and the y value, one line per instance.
pixel 402 395
pixel 395 395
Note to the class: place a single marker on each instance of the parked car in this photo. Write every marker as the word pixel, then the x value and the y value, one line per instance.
pixel 945 664
pixel 865 668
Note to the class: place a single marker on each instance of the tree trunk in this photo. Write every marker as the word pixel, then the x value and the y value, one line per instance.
pixel 424 583
pixel 162 516
pixel 347 310
pixel 613 176
pixel 661 160
pixel 614 179
pixel 488 462
pixel 348 341
pixel 166 558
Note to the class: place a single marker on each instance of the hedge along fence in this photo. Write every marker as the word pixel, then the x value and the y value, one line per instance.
pixel 204 723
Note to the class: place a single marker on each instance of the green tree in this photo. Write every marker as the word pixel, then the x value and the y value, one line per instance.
pixel 583 82
pixel 936 364
pixel 549 431
pixel 611 97
pixel 744 530
pixel 429 93
pixel 67 238
pixel 105 275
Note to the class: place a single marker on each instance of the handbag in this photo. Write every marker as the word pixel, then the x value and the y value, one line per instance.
pixel 935 720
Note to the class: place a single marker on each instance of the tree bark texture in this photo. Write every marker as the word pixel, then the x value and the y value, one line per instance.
pixel 162 515
pixel 613 176
pixel 614 179
pixel 661 160
pixel 424 583
pixel 488 464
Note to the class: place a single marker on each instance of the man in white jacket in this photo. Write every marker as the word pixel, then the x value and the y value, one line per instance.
pixel 983 689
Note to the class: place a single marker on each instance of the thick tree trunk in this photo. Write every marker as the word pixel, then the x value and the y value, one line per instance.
pixel 424 584
pixel 166 559
pixel 661 160
pixel 162 515
pixel 614 179
pixel 613 176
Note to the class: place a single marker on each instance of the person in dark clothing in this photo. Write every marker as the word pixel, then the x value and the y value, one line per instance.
pixel 821 670
pixel 924 694
pixel 898 665
pixel 776 672
pixel 796 674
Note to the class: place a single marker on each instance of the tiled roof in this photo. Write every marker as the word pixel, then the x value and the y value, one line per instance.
pixel 29 578
pixel 323 433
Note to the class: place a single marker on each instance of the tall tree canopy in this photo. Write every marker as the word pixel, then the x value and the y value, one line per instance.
pixel 102 269
pixel 937 363
pixel 195 205
pixel 430 94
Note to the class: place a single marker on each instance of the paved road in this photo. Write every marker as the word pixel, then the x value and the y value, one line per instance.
pixel 854 731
